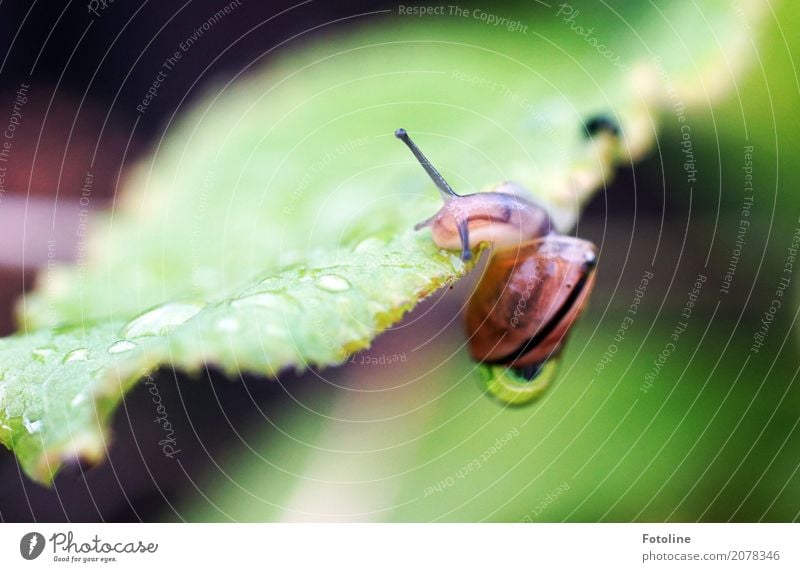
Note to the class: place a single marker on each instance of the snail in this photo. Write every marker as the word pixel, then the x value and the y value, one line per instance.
pixel 535 285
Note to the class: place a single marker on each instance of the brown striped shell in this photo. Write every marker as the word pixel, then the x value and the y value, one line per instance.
pixel 528 298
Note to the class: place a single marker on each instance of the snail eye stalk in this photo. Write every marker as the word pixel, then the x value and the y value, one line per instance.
pixel 463 231
pixel 444 189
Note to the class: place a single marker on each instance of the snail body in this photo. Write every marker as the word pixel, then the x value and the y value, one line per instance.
pixel 536 281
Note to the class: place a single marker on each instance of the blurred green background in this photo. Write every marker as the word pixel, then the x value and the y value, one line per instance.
pixel 404 433
pixel 713 439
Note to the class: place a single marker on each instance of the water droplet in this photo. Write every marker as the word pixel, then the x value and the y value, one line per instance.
pixel 32 426
pixel 121 346
pixel 228 325
pixel 518 387
pixel 369 244
pixel 160 320
pixel 41 354
pixel 78 399
pixel 333 283
pixel 265 299
pixel 80 354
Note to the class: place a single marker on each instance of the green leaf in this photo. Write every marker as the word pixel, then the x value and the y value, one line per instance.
pixel 51 411
pixel 271 227
pixel 59 388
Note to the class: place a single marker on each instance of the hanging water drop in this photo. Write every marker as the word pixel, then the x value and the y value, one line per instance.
pixel 517 387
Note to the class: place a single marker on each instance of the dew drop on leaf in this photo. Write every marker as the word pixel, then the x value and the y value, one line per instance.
pixel 160 320
pixel 79 354
pixel 369 244
pixel 32 427
pixel 41 354
pixel 121 346
pixel 264 299
pixel 333 283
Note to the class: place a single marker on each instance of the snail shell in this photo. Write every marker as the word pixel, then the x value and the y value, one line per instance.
pixel 527 300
